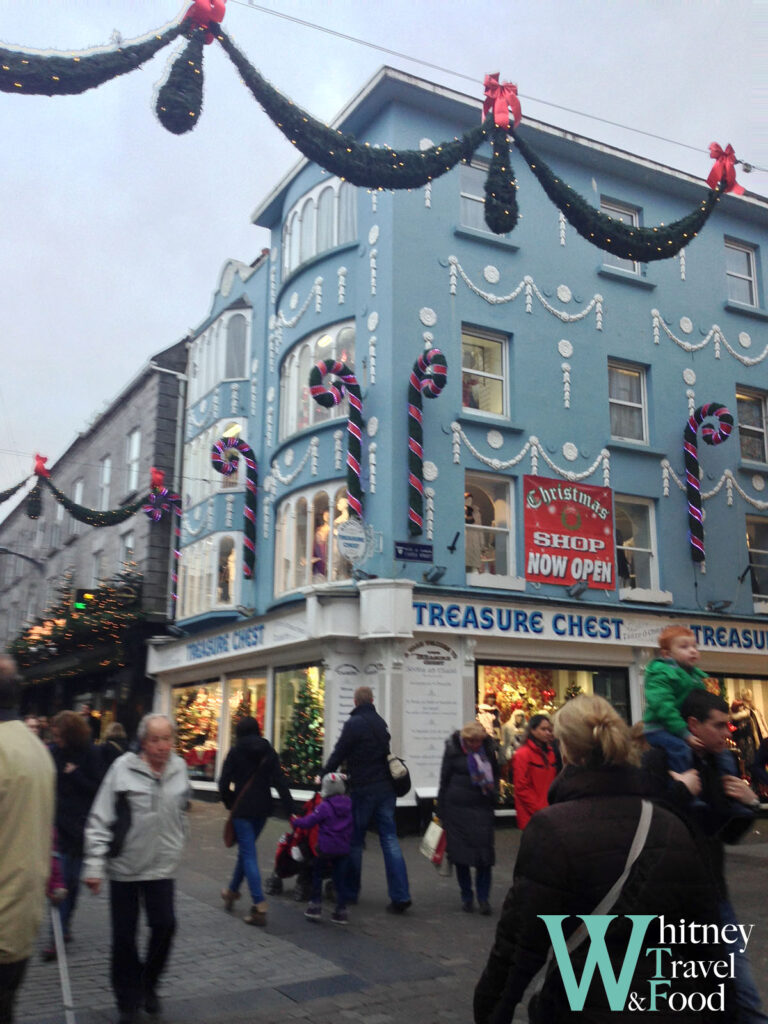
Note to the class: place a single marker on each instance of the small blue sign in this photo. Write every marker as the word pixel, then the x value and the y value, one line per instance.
pixel 407 551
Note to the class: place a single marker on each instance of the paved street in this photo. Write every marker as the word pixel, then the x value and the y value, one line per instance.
pixel 420 968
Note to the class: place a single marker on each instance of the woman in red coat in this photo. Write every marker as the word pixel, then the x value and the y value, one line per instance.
pixel 534 768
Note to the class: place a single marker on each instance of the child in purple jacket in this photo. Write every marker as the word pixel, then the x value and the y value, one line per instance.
pixel 333 816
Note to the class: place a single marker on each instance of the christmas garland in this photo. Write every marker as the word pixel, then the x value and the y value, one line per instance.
pixel 156 504
pixel 90 516
pixel 41 73
pixel 712 436
pixel 5 495
pixel 428 377
pixel 333 395
pixel 624 240
pixel 224 457
pixel 180 97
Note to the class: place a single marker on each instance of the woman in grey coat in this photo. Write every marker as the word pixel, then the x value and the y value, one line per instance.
pixel 469 780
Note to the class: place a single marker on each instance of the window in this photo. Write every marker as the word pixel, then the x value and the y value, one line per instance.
pixel 472 184
pixel 127 545
pixel 636 564
pixel 197 710
pixel 236 347
pixel 751 409
pixel 132 452
pixel 483 371
pixel 298 410
pixel 626 398
pixel 319 221
pixel 488 534
pixel 757 545
pixel 97 568
pixel 77 497
pixel 305 540
pixel 740 273
pixel 626 215
pixel 299 720
pixel 105 475
pixel 247 699
pixel 226 571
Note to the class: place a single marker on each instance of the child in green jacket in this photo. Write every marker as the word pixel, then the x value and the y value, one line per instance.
pixel 668 681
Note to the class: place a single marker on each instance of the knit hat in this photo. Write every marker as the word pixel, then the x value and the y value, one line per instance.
pixel 333 784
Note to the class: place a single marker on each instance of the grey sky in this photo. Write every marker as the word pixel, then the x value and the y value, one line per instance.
pixel 114 231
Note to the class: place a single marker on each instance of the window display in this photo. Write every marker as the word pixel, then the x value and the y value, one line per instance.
pixel 196 710
pixel 299 720
pixel 247 699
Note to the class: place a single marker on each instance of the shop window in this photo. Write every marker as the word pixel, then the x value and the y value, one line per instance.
pixel 740 272
pixel 298 410
pixel 627 402
pixel 614 687
pixel 488 534
pixel 196 711
pixel 751 408
pixel 625 215
pixel 225 593
pixel 247 699
pixel 472 185
pixel 483 371
pixel 299 720
pixel 234 363
pixel 306 551
pixel 636 562
pixel 757 545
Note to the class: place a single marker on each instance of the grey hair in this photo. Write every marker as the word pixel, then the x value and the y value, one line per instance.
pixel 141 732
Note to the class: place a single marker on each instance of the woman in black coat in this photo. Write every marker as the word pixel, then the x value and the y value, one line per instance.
pixel 251 763
pixel 469 780
pixel 571 854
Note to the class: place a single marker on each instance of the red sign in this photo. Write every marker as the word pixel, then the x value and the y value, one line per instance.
pixel 569 533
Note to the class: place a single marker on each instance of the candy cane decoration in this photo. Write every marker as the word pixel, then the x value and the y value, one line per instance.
pixel 428 377
pixel 158 502
pixel 331 395
pixel 224 456
pixel 712 436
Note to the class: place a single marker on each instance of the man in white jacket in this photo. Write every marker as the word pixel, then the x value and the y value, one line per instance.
pixel 135 836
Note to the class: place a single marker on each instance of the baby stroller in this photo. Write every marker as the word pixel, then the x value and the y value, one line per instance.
pixel 294 854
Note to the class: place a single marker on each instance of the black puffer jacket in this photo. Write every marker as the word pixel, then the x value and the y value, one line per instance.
pixel 465 811
pixel 253 754
pixel 570 855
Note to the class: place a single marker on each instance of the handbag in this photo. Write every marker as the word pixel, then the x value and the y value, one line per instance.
pixel 229 825
pixel 398 772
pixel 432 844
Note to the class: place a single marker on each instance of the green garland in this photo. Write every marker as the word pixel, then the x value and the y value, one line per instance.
pixel 501 210
pixel 39 74
pixel 90 516
pixel 624 240
pixel 5 495
pixel 180 97
pixel 358 163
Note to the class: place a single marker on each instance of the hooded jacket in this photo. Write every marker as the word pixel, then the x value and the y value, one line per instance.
pixel 464 809
pixel 533 769
pixel 334 820
pixel 158 829
pixel 253 757
pixel 667 684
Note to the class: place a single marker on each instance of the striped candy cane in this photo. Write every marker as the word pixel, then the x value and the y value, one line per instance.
pixel 224 455
pixel 428 377
pixel 330 395
pixel 159 501
pixel 711 435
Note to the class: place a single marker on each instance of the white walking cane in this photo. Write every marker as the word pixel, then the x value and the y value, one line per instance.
pixel 61 958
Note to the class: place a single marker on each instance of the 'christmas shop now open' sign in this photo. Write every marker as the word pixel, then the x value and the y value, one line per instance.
pixel 568 533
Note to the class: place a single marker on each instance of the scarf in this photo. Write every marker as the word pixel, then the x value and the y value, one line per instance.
pixel 480 770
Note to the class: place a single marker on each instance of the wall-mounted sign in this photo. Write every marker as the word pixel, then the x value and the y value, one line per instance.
pixel 409 551
pixel 351 540
pixel 569 533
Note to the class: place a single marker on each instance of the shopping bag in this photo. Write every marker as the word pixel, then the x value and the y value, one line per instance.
pixel 439 855
pixel 434 834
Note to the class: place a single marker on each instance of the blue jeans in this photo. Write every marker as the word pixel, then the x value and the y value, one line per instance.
pixel 71 869
pixel 680 753
pixel 750 1010
pixel 376 803
pixel 482 882
pixel 247 831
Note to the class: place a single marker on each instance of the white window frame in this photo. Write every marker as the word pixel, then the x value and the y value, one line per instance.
pixel 125 547
pixel 468 332
pixel 297 250
pixel 761 397
pixel 651 594
pixel 105 481
pixel 78 488
pixel 98 568
pixel 293 569
pixel 642 405
pixel 466 196
pixel 198 585
pixel 487 534
pixel 293 384
pixel 760 600
pixel 751 276
pixel 625 214
pixel 132 460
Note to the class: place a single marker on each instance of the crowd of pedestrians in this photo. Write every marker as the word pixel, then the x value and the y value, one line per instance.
pixel 616 823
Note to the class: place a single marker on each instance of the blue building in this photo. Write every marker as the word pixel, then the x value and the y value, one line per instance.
pixel 554 539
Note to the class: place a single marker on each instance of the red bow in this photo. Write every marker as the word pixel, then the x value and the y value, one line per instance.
pixel 205 12
pixel 40 470
pixel 156 478
pixel 724 169
pixel 501 97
